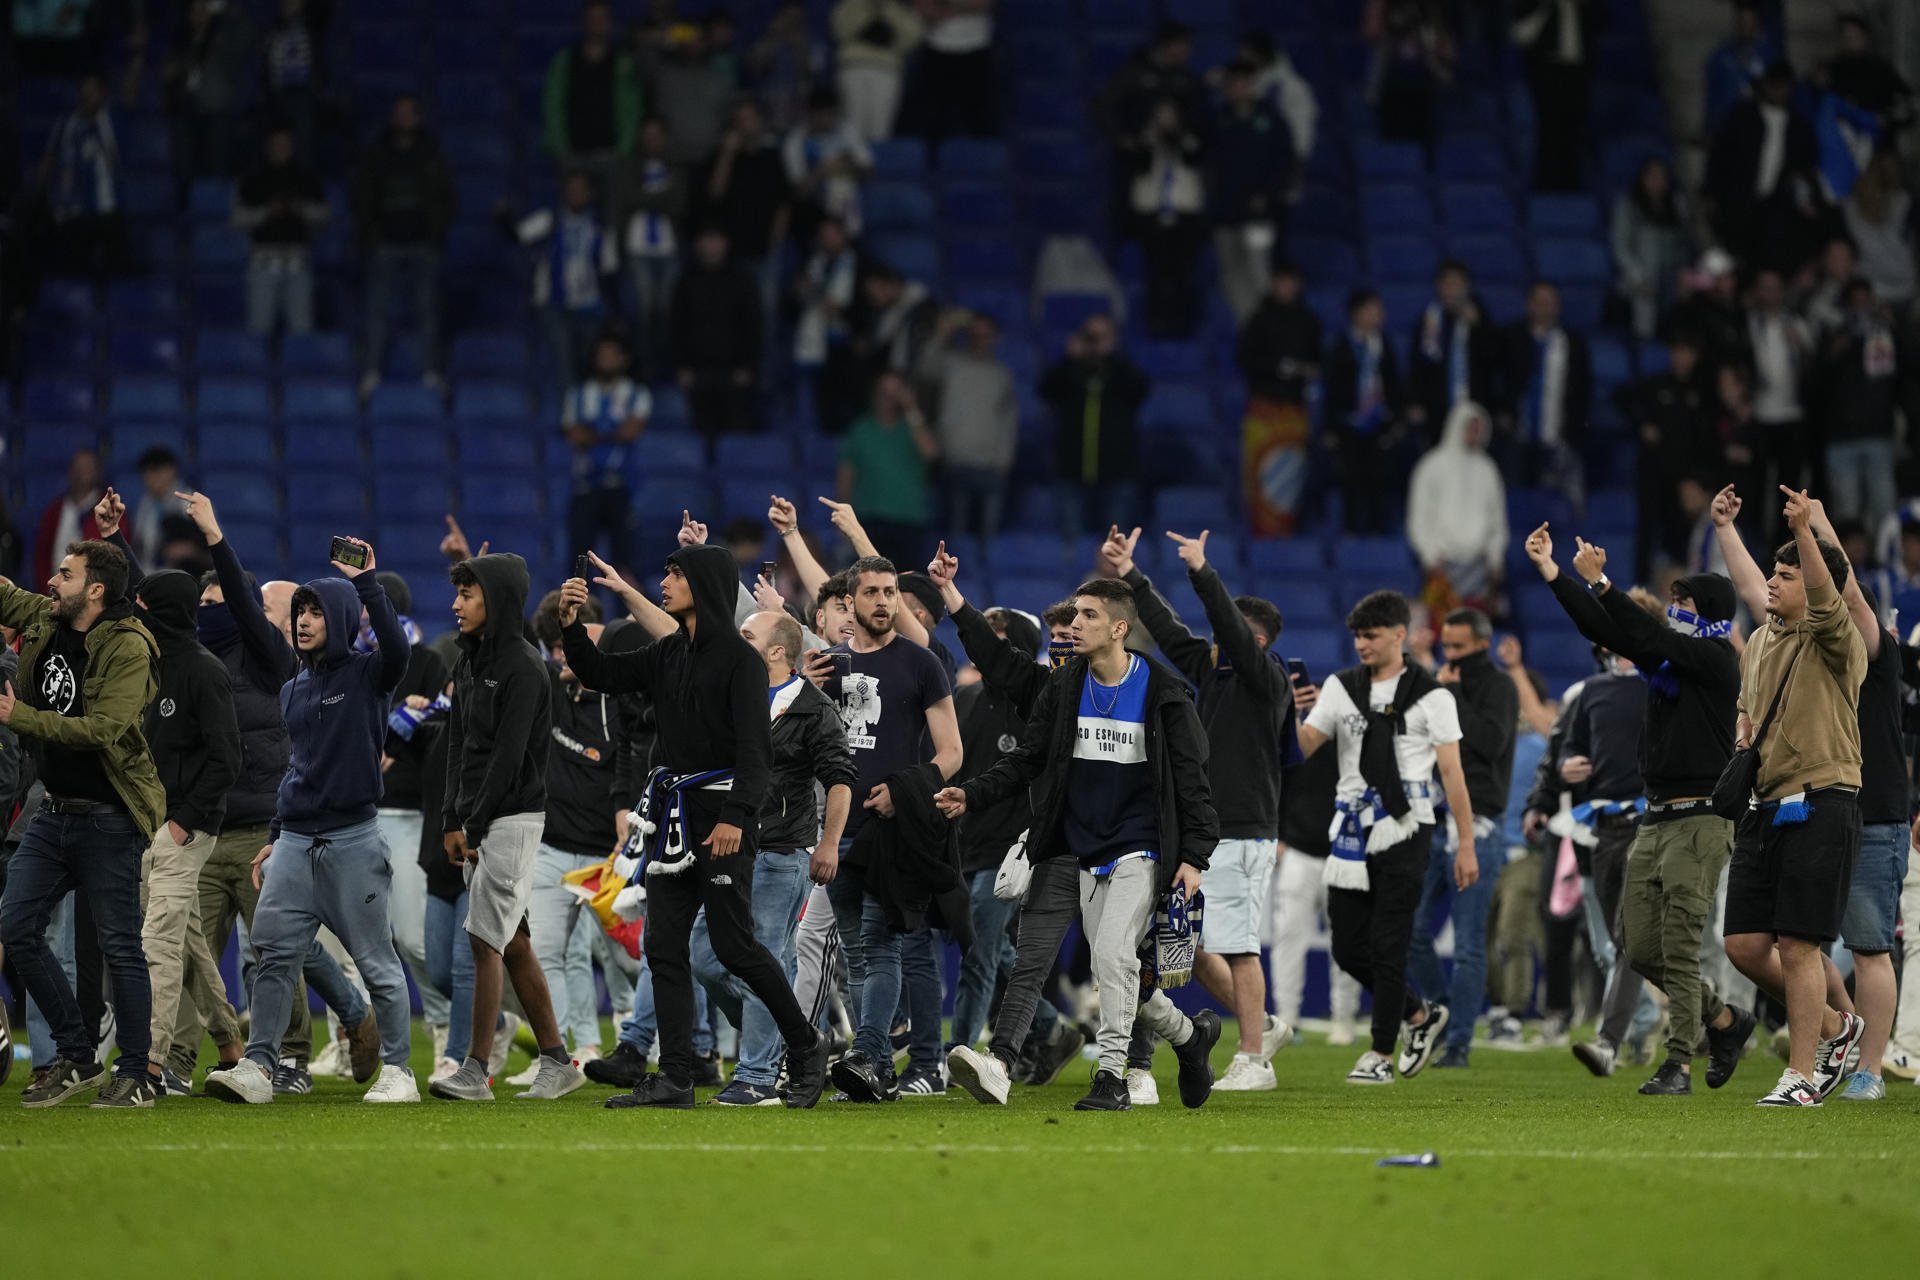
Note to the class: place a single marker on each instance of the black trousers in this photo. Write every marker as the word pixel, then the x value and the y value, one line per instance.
pixel 1373 930
pixel 1053 900
pixel 724 886
pixel 1557 959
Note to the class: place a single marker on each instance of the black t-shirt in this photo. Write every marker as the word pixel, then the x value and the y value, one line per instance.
pixel 883 707
pixel 1883 754
pixel 71 773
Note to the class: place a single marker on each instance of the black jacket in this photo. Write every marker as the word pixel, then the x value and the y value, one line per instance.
pixel 1278 350
pixel 993 719
pixel 709 692
pixel 1176 745
pixel 1107 448
pixel 809 746
pixel 910 862
pixel 190 725
pixel 1489 708
pixel 426 677
pixel 1606 726
pixel 583 768
pixel 716 320
pixel 1688 738
pixel 502 719
pixel 1244 701
pixel 1430 363
pixel 1520 356
pixel 403 195
pixel 1003 668
pixel 259 661
pixel 1340 385
pixel 1544 796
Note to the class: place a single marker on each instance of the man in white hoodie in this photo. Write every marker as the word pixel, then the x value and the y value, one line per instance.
pixel 1457 506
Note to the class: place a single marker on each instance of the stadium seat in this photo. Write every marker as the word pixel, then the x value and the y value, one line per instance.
pixel 147 397
pixel 318 398
pixel 415 492
pixel 1009 553
pixel 229 351
pixel 657 453
pixel 1324 650
pixel 1402 257
pixel 404 403
pixel 493 402
pixel 399 450
pixel 917 257
pixel 1189 507
pixel 234 396
pixel 1396 206
pixel 128 438
pixel 143 351
pixel 319 495
pixel 1376 159
pixel 1475 206
pixel 976 206
pixel 489 354
pixel 1563 215
pixel 242 494
pixel 899 158
pixel 61 399
pixel 316 353
pixel 500 449
pixel 235 443
pixel 52 350
pixel 976 157
pixel 984 259
pixel 1177 408
pixel 897 205
pixel 1569 261
pixel 1389 558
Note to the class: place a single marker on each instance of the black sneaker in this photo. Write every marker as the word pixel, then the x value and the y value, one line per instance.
pixel 1724 1047
pixel 1670 1081
pixel 126 1091
pixel 624 1068
pixel 1600 1056
pixel 1196 1060
pixel 739 1093
pixel 171 1084
pixel 1109 1092
pixel 655 1091
pixel 856 1076
pixel 923 1084
pixel 61 1081
pixel 706 1072
pixel 291 1077
pixel 1052 1057
pixel 1452 1057
pixel 807 1073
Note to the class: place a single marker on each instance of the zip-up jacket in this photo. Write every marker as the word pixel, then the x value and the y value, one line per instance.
pixel 809 746
pixel 190 726
pixel 1548 785
pixel 1176 745
pixel 993 719
pixel 1489 708
pixel 502 718
pixel 336 709
pixel 259 661
pixel 583 768
pixel 1244 700
pixel 1605 726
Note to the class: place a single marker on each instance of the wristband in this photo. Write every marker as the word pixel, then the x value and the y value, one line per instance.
pixel 788 533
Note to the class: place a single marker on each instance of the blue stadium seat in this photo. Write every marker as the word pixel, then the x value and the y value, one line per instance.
pixel 1052 155
pixel 760 455
pixel 56 350
pixel 1493 258
pixel 318 398
pixel 256 540
pixel 241 494
pixel 220 298
pixel 477 149
pixel 210 199
pixel 1270 557
pixel 1582 306
pixel 139 300
pixel 401 450
pixel 1402 257
pixel 984 259
pixel 235 443
pixel 1475 206
pixel 405 403
pixel 1396 206
pixel 1033 592
pixel 899 158
pixel 977 206
pixel 128 438
pixel 658 453
pixel 670 411
pixel 70 300
pixel 1567 261
pixel 147 397
pixel 321 442
pixel 897 206
pixel 1327 259
pixel 974 157
pixel 499 449
pixel 501 497
pixel 917 257
pixel 493 402
pixel 60 399
pixel 1064 312
pixel 1010 553
pixel 143 351
pixel 740 498
pixel 1177 407
pixel 1378 159
pixel 316 353
pixel 1564 215
pixel 1171 360
pixel 1388 558
pixel 414 491
pixel 1471 156
pixel 1189 507
pixel 1325 650
pixel 229 351
pixel 218 245
pixel 234 396
pixel 319 495
pixel 1612 362
pixel 489 354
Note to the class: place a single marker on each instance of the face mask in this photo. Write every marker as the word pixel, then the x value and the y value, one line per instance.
pixel 215 626
pixel 1692 624
pixel 1058 651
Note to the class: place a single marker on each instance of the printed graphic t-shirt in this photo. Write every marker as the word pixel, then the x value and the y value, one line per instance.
pixel 883 707
pixel 1432 721
pixel 1110 809
pixel 71 773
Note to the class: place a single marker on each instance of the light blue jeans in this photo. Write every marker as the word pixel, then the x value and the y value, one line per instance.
pixel 553 918
pixel 401 827
pixel 780 888
pixel 590 942
pixel 342 879
pixel 1860 480
pixel 1467 991
pixel 60 938
pixel 450 970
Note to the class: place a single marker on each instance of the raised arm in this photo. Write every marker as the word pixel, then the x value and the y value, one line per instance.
pixel 1749 582
pixel 1018 769
pixel 1587 615
pixel 1864 618
pixel 1003 668
pixel 394 652
pixel 262 640
pixel 1231 631
pixel 607 672
pixel 785 520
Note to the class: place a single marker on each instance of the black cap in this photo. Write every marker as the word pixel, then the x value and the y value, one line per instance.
pixel 921 588
pixel 1712 595
pixel 397 590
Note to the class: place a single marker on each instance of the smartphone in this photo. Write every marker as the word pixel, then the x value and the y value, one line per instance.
pixel 1297 671
pixel 350 554
pixel 842 663
pixel 769 568
pixel 580 568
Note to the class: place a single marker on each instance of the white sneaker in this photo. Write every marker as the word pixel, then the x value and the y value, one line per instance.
pixel 1277 1036
pixel 1142 1089
pixel 1247 1074
pixel 1341 1034
pixel 528 1076
pixel 442 1069
pixel 245 1081
pixel 503 1044
pixel 981 1074
pixel 1901 1063
pixel 585 1054
pixel 438 1030
pixel 553 1080
pixel 330 1061
pixel 1373 1068
pixel 393 1084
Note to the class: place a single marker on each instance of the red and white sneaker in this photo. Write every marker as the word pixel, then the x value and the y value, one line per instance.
pixel 1835 1059
pixel 1794 1090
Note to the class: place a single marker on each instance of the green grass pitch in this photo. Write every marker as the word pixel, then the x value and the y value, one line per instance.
pixel 1544 1172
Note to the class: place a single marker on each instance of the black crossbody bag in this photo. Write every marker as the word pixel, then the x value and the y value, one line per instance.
pixel 1734 792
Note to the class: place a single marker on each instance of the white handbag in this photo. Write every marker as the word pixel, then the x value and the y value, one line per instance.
pixel 1015 874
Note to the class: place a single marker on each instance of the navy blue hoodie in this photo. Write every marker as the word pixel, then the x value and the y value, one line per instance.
pixel 336 709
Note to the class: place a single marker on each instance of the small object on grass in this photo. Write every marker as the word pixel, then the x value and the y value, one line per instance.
pixel 1425 1160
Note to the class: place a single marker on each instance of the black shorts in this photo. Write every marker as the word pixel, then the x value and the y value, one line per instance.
pixel 1794 880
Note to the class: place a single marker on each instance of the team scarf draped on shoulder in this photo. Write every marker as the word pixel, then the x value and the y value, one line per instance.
pixel 1663 680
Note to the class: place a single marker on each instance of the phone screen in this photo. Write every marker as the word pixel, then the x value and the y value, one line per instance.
pixel 350 554
pixel 769 569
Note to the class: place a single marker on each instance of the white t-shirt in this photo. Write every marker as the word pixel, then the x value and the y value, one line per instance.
pixel 1432 721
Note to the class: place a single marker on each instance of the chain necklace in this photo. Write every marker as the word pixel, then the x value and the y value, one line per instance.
pixel 1093 692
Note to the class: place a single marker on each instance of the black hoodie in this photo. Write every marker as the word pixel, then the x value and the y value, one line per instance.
pixel 1489 708
pixel 426 677
pixel 501 724
pixel 991 726
pixel 190 726
pixel 709 692
pixel 584 767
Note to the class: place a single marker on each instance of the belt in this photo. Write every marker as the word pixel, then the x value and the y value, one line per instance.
pixel 54 804
pixel 1661 810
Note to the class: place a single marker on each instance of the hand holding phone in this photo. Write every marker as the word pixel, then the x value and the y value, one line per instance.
pixel 352 555
pixel 581 569
pixel 769 569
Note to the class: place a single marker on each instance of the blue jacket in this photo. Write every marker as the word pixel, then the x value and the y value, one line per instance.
pixel 336 709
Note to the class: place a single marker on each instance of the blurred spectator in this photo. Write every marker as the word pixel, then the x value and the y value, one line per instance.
pixel 1162 69
pixel 1903 560
pixel 1759 186
pixel 1879 215
pixel 1669 412
pixel 716 337
pixel 1413 57
pixel 785 64
pixel 1858 372
pixel 403 204
pixel 1283 88
pixel 872 39
pixel 1548 385
pixel 883 471
pixel 575 269
pixel 1251 172
pixel 293 76
pixel 746 538
pixel 892 320
pixel 1167 199
pixel 19 285
pixel 1457 509
pixel 1454 349
pixel 1362 403
pixel 744 188
pixel 601 419
pixel 1736 64
pixel 653 208
pixel 1279 355
pixel 953 81
pixel 80 175
pixel 826 162
pixel 69 517
pixel 1650 245
pixel 1557 36
pixel 206 84
pixel 1861 75
pixel 591 103
pixel 1710 310
pixel 1822 302
pixel 1731 454
pixel 692 83
pixel 977 417
pixel 280 204
pixel 1095 393
pixel 1702 548
pixel 159 469
pixel 12 549
pixel 823 294
pixel 1782 351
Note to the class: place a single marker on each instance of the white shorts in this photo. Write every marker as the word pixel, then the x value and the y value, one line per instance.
pixel 500 880
pixel 1238 883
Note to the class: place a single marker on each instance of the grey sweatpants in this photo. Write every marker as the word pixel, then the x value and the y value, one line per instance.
pixel 1116 909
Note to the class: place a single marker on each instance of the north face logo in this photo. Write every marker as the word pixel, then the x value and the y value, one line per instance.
pixel 338 697
pixel 166 707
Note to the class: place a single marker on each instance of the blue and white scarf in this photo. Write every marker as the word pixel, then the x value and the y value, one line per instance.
pixel 1172 944
pixel 1664 680
pixel 364 641
pixel 658 844
pixel 1363 827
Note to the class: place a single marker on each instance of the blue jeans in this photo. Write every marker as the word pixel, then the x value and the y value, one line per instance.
pixel 99 854
pixel 993 954
pixel 976 500
pixel 1468 991
pixel 922 988
pixel 642 1027
pixel 342 879
pixel 553 912
pixel 780 888
pixel 60 938
pixel 450 969
pixel 1113 503
pixel 386 265
pixel 1860 480
pixel 872 949
pixel 583 999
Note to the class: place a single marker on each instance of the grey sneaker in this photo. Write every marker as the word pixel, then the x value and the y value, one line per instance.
pixel 463 1085
pixel 126 1092
pixel 556 1080
pixel 61 1081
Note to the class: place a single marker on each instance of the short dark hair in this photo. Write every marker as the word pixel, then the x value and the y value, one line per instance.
pixel 1380 611
pixel 1059 615
pixel 1451 266
pixel 866 565
pixel 1260 613
pixel 462 575
pixel 832 589
pixel 106 565
pixel 744 529
pixel 156 457
pixel 1115 595
pixel 1360 298
pixel 1835 558
pixel 546 617
pixel 1472 619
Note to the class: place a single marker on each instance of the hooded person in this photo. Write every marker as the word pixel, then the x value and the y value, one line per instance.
pixel 329 863
pixel 700 809
pixel 498 734
pixel 1457 506
pixel 1673 868
pixel 195 740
